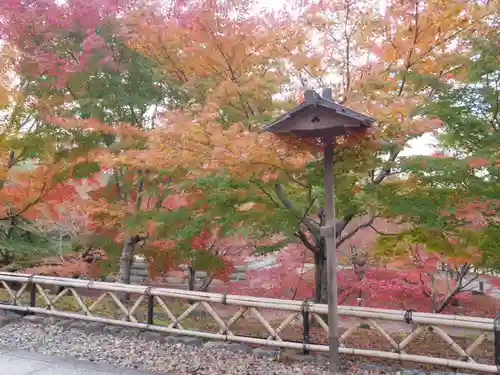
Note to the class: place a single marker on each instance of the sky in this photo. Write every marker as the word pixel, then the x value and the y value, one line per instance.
pixel 424 145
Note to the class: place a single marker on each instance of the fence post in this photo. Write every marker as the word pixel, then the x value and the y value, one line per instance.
pixel 31 286
pixel 151 303
pixel 305 324
pixel 496 342
pixel 32 294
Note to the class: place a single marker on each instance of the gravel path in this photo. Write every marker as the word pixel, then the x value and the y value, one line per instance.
pixel 176 359
pixel 167 355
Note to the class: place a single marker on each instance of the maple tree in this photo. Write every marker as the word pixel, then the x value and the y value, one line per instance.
pixel 76 65
pixel 129 195
pixel 225 53
pixel 34 182
pixel 278 182
pixel 470 138
pixel 217 68
pixel 457 186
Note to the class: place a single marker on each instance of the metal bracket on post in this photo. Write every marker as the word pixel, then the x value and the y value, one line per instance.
pixel 408 317
pixel 327 231
pixel 224 299
pixel 305 323
pixel 496 342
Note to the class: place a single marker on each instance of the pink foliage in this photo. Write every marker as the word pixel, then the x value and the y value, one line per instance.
pixel 92 42
pixel 391 288
pixel 288 278
pixel 478 212
pixel 46 15
pixel 36 26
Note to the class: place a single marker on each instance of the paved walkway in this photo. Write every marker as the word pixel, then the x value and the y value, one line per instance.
pixel 21 362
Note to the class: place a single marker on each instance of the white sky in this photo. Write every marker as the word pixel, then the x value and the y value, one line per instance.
pixel 424 145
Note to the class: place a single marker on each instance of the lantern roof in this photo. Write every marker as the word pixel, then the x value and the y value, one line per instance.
pixel 319 116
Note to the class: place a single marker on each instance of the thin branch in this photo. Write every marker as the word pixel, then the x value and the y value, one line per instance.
pixel 294 179
pixel 347 295
pixel 10 164
pixel 153 116
pixel 341 224
pixel 354 231
pixel 138 238
pixel 426 293
pixel 303 238
pixel 161 198
pixel 280 192
pixel 244 103
pixel 29 205
pixel 268 195
pixel 387 171
pixel 347 75
pixel 410 53
pixel 311 225
pixel 459 287
pixel 140 192
pixel 423 55
pixel 116 174
pixel 308 209
pixel 382 233
pixel 134 116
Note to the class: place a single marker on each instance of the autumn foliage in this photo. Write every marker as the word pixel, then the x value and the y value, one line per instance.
pixel 160 110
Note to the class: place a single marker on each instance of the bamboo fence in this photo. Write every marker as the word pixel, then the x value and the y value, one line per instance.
pixel 487 329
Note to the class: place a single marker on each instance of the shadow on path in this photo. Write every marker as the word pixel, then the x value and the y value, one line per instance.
pixel 22 362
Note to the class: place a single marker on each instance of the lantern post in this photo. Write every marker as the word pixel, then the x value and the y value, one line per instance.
pixel 318 117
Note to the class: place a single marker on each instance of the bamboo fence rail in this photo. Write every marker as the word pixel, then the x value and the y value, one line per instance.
pixel 487 329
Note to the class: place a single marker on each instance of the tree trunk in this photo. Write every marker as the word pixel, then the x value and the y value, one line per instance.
pixel 126 264
pixel 321 279
pixel 319 250
pixel 191 277
pixel 206 283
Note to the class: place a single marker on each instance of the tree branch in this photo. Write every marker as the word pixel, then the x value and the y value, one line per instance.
pixel 431 48
pixel 294 179
pixel 341 224
pixel 385 172
pixel 354 231
pixel 347 75
pixel 410 53
pixel 268 195
pixel 382 233
pixel 28 206
pixel 10 164
pixel 426 293
pixel 459 287
pixel 117 183
pixel 280 192
pixel 134 116
pixel 311 225
pixel 303 238
pixel 136 239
